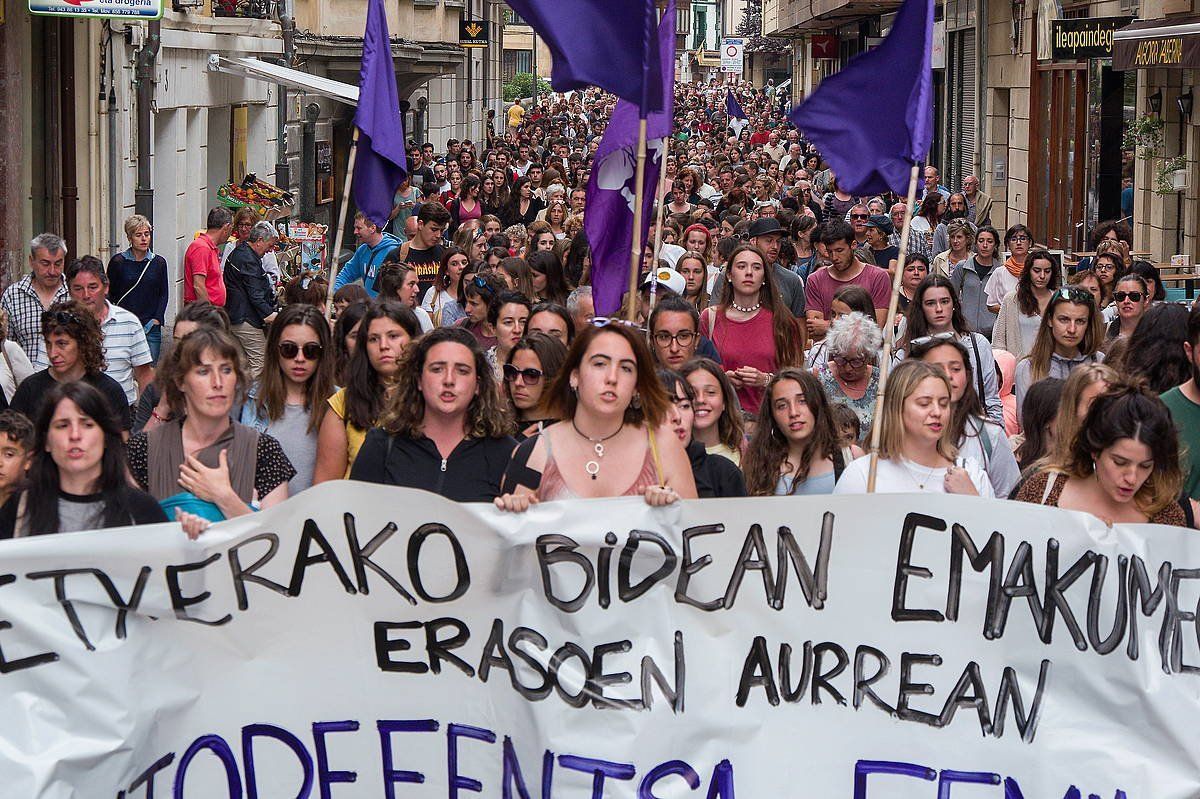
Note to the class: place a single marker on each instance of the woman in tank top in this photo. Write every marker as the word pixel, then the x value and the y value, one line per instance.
pixel 612 440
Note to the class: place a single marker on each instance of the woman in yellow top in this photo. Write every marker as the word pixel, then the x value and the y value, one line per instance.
pixel 383 335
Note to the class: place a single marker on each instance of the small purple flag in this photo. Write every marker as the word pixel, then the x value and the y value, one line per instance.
pixel 380 163
pixel 873 153
pixel 605 43
pixel 732 107
pixel 608 219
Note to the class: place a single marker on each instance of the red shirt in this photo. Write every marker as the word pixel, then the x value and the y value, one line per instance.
pixel 744 343
pixel 202 258
pixel 759 137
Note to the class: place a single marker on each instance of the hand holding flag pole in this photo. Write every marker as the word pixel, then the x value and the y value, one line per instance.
pixel 875 155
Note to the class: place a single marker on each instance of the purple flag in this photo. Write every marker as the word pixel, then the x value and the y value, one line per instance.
pixel 605 43
pixel 608 219
pixel 874 152
pixel 380 163
pixel 732 107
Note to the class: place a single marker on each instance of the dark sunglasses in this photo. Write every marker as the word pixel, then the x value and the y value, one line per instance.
pixel 311 349
pixel 530 375
pixel 860 216
pixel 1132 296
pixel 64 318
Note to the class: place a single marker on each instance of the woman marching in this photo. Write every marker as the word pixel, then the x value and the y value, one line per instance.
pixel 796 449
pixel 614 411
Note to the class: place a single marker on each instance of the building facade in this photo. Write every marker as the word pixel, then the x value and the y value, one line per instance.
pixel 100 119
pixel 1044 122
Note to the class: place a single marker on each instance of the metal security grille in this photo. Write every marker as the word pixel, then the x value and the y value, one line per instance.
pixel 962 107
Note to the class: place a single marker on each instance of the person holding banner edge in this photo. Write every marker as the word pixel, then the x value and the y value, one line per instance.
pixel 614 412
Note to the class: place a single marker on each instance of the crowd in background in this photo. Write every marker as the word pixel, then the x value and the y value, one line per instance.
pixel 465 356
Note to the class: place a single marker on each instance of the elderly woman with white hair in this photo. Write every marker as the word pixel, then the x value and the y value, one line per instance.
pixel 249 296
pixel 850 376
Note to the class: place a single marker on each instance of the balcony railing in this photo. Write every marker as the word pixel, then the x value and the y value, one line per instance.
pixel 244 9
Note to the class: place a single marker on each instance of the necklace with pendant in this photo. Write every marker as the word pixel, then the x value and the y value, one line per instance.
pixel 914 475
pixel 592 467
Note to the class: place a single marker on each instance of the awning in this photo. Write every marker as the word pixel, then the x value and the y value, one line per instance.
pixel 708 58
pixel 294 78
pixel 1149 43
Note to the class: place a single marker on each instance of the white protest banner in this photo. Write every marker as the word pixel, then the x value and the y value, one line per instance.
pixel 363 641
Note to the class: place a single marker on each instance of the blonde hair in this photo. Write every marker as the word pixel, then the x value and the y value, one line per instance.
pixel 1068 421
pixel 135 223
pixel 901 384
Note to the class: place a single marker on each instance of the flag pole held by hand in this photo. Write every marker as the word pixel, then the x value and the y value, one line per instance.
pixel 635 253
pixel 335 256
pixel 889 331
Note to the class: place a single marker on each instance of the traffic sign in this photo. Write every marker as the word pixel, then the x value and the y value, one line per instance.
pixel 732 55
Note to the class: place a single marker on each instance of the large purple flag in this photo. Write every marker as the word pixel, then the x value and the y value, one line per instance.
pixel 608 219
pixel 605 43
pixel 380 164
pixel 732 107
pixel 874 152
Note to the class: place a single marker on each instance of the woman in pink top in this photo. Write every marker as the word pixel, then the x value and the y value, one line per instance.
pixel 751 328
pixel 612 440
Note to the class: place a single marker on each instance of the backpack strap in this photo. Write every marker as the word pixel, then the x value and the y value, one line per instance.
pixel 978 370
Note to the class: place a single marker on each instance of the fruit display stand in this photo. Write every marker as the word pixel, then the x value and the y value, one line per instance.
pixel 269 202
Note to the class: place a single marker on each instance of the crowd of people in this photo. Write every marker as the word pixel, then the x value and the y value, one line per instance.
pixel 465 356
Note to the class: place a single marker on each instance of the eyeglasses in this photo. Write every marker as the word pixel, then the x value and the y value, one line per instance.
pixel 923 340
pixel 1019 239
pixel 530 375
pixel 683 338
pixel 853 363
pixel 311 349
pixel 860 216
pixel 1132 296
pixel 1103 266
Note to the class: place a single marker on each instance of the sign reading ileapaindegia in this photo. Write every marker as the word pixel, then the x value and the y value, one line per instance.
pixel 366 641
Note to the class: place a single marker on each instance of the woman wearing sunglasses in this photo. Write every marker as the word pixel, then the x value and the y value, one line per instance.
pixel 531 367
pixel 1070 335
pixel 475 297
pixel 288 400
pixel 613 440
pixel 1131 298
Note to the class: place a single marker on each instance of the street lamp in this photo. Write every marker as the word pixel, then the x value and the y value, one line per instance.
pixel 1185 105
pixel 1155 101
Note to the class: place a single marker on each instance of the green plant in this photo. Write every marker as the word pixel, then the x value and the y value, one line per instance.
pixel 1145 137
pixel 521 86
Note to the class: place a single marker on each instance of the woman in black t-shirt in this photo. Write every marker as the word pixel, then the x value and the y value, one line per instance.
pixel 75 349
pixel 76 480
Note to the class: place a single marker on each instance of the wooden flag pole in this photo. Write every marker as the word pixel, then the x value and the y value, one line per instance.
pixel 334 266
pixel 635 253
pixel 662 209
pixel 889 334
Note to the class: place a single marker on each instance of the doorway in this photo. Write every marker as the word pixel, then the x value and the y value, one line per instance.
pixel 1058 155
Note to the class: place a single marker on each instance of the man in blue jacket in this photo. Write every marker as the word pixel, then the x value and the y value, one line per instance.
pixel 373 247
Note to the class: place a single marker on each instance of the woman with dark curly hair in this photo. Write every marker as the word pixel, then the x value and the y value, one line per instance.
pixel 75 349
pixel 1123 465
pixel 445 428
pixel 1155 352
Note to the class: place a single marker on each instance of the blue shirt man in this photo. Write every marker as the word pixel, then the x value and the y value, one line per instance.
pixel 374 245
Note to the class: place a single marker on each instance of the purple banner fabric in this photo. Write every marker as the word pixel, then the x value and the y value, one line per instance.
pixel 605 43
pixel 608 220
pixel 732 107
pixel 380 164
pixel 874 119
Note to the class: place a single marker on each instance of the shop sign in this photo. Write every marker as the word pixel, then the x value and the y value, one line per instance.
pixel 121 9
pixel 1149 44
pixel 1091 37
pixel 824 45
pixel 472 33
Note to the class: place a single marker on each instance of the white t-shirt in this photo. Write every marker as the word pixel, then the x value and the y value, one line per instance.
pixel 906 477
pixel 1000 284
